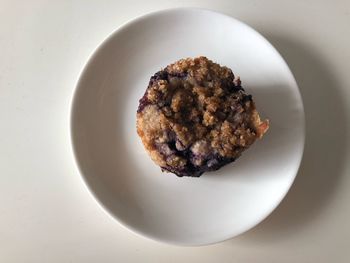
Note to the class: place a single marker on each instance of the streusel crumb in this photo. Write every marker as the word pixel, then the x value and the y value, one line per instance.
pixel 195 117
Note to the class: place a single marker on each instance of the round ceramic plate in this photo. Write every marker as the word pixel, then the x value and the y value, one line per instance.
pixel 119 173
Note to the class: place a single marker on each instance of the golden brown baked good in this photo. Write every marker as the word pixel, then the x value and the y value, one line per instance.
pixel 195 117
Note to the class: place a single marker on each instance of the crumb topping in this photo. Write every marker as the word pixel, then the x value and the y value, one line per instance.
pixel 195 116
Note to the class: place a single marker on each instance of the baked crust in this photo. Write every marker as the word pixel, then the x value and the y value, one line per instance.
pixel 195 117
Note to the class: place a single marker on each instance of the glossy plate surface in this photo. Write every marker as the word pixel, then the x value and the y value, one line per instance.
pixel 119 173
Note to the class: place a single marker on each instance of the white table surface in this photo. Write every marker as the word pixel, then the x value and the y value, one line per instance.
pixel 46 211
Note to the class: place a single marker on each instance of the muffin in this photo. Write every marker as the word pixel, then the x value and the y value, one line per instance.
pixel 195 117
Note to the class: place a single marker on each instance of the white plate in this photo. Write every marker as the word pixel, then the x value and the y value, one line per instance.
pixel 187 211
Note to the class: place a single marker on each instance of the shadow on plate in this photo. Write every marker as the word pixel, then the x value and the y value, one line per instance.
pixel 323 159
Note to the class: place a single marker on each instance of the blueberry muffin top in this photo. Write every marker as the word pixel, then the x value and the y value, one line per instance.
pixel 195 117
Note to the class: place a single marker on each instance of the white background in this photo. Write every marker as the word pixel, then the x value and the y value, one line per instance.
pixel 47 213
